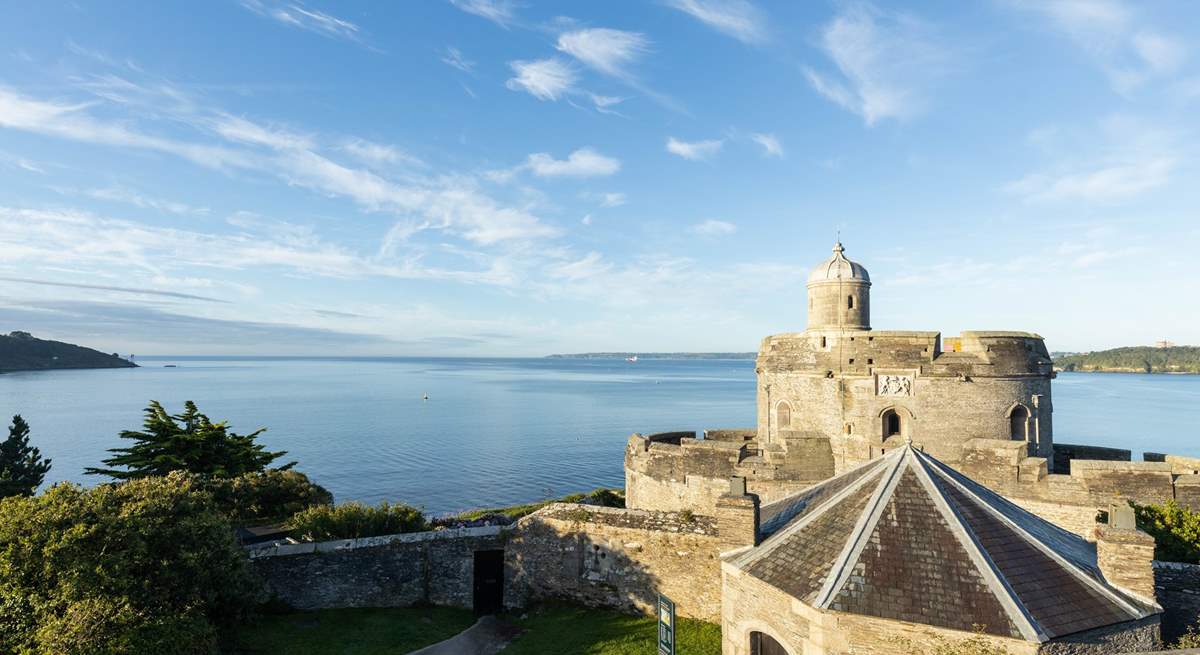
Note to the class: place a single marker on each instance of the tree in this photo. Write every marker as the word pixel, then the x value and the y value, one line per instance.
pixel 138 568
pixel 187 442
pixel 22 468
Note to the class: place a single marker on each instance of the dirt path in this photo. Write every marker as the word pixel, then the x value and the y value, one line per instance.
pixel 488 636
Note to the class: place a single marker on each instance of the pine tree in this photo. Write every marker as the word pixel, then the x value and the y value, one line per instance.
pixel 187 442
pixel 22 468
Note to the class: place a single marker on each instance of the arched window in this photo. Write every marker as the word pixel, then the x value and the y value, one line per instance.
pixel 1019 423
pixel 783 415
pixel 763 644
pixel 891 424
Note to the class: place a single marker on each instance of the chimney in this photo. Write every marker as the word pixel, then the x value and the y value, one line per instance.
pixel 737 517
pixel 1126 554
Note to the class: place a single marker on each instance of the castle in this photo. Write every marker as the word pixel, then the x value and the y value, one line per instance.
pixel 840 394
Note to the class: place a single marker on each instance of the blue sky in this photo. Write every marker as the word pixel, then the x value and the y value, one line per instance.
pixel 482 177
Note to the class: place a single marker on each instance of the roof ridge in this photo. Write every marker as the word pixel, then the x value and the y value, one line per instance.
pixel 1122 602
pixel 769 544
pixel 997 583
pixel 840 571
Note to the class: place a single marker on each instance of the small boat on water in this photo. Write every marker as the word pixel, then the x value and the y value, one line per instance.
pixel 631 360
pixel 170 366
pixel 425 397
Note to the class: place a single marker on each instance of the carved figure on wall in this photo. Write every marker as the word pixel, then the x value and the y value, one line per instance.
pixel 894 385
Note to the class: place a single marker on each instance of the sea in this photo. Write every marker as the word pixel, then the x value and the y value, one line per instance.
pixel 449 434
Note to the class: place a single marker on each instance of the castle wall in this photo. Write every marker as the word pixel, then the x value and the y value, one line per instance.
pixel 394 571
pixel 616 558
pixel 1177 589
pixel 839 385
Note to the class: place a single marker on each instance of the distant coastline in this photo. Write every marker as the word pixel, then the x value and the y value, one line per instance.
pixel 626 355
pixel 21 351
pixel 1177 360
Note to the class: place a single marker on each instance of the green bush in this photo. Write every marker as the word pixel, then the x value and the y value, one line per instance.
pixel 147 566
pixel 1176 531
pixel 355 520
pixel 272 495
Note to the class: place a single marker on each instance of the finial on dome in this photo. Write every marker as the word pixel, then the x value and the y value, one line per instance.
pixel 837 247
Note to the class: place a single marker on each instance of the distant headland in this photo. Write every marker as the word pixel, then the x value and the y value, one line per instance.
pixel 628 355
pixel 1133 359
pixel 21 351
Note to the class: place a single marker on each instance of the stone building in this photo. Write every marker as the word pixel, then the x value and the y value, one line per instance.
pixel 900 553
pixel 840 393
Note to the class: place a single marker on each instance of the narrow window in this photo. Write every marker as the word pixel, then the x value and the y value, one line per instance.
pixel 851 360
pixel 822 342
pixel 849 302
pixel 1019 423
pixel 870 361
pixel 783 415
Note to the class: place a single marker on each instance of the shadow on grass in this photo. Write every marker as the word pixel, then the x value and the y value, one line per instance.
pixel 586 631
pixel 382 631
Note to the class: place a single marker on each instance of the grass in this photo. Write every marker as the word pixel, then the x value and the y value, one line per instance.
pixel 351 631
pixel 582 631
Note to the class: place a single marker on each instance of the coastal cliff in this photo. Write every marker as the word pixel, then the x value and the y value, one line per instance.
pixel 21 351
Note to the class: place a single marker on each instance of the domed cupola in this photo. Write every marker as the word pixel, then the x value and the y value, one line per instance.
pixel 839 294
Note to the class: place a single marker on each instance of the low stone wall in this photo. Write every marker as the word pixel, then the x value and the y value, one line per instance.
pixel 394 571
pixel 1177 588
pixel 617 558
pixel 1065 452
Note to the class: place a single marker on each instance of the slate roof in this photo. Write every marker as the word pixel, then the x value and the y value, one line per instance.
pixel 906 537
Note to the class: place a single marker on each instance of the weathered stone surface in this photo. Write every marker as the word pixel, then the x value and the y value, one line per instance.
pixel 616 558
pixel 395 571
pixel 1137 637
pixel 1177 587
pixel 1125 558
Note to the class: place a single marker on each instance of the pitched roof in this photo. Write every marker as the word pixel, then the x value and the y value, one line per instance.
pixel 906 537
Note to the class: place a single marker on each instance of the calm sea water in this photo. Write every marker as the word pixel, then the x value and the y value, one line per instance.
pixel 494 431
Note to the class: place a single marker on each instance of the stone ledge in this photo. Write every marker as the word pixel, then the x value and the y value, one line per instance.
pixel 637 519
pixel 283 550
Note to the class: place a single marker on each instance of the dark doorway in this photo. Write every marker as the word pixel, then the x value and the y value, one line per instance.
pixel 1019 423
pixel 489 582
pixel 891 424
pixel 763 644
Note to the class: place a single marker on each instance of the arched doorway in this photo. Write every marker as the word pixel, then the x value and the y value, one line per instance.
pixel 893 426
pixel 1018 423
pixel 764 644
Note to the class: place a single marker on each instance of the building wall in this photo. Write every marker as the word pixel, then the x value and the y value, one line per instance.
pixel 836 385
pixel 1133 637
pixel 395 571
pixel 1177 589
pixel 616 558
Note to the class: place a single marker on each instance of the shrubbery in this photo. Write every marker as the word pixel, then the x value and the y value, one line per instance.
pixel 355 520
pixel 144 567
pixel 272 495
pixel 1176 531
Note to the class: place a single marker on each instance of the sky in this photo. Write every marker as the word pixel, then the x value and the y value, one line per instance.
pixel 512 178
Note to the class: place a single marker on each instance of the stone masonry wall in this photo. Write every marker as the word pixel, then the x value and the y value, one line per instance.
pixel 617 558
pixel 1177 588
pixel 394 571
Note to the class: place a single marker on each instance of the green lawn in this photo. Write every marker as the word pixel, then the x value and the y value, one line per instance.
pixel 580 631
pixel 351 631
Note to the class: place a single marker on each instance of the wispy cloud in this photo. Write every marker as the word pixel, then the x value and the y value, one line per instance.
pixel 613 200
pixel 500 12
pixel 694 150
pixel 885 63
pixel 606 50
pixel 1100 183
pixel 454 58
pixel 298 16
pixel 713 228
pixel 737 18
pixel 1112 33
pixel 544 79
pixel 131 197
pixel 102 287
pixel 583 162
pixel 770 145
pixel 378 153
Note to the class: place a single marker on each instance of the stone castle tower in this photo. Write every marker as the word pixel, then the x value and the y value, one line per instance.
pixel 842 391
